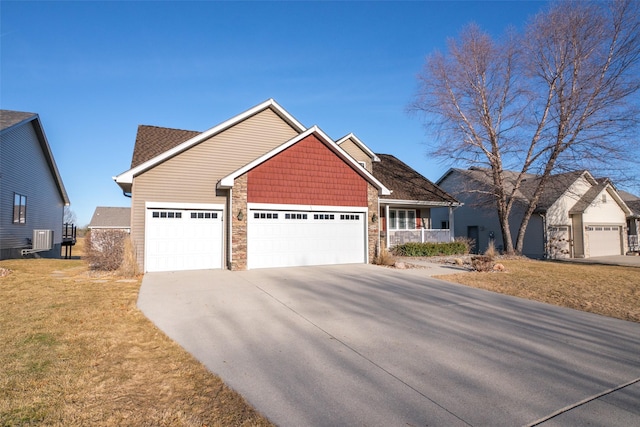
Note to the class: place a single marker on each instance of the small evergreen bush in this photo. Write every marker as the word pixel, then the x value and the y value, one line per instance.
pixel 431 249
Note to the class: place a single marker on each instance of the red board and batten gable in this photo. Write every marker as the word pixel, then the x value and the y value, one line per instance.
pixel 307 173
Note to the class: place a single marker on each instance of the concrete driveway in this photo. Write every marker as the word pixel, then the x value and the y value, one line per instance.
pixel 369 346
pixel 622 260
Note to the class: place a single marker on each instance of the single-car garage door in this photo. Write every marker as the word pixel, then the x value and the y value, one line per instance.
pixel 183 239
pixel 296 238
pixel 604 240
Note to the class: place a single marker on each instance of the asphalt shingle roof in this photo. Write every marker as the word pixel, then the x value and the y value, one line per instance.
pixel 9 118
pixel 632 201
pixel 111 217
pixel 556 185
pixel 406 183
pixel 588 197
pixel 152 141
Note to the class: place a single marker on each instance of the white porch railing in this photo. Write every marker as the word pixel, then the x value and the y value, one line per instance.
pixel 399 237
pixel 634 246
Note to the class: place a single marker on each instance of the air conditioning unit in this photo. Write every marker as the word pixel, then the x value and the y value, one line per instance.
pixel 42 240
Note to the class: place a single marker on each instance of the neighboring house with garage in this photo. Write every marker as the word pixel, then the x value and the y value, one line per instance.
pixel 32 195
pixel 110 218
pixel 576 217
pixel 258 190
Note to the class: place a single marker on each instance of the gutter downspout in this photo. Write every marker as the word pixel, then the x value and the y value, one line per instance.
pixel 229 230
pixel 377 254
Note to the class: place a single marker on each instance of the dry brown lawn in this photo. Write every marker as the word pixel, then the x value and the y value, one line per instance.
pixel 608 290
pixel 76 351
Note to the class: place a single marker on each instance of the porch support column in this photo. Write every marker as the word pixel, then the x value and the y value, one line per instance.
pixel 451 237
pixel 387 224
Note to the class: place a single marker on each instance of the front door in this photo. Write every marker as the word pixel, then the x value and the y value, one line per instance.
pixel 474 235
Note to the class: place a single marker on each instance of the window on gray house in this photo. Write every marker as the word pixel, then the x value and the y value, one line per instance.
pixel 19 209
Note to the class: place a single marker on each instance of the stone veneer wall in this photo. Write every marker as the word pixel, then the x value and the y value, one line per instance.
pixel 373 227
pixel 239 233
pixel 239 227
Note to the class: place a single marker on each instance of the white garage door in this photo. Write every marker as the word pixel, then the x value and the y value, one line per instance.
pixel 604 240
pixel 296 238
pixel 183 239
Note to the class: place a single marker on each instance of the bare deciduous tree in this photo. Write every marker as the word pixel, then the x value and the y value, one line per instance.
pixel 69 216
pixel 558 97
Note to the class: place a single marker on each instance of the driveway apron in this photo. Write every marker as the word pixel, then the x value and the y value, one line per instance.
pixel 366 345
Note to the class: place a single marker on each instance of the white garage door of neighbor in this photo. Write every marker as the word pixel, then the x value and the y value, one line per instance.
pixel 183 239
pixel 604 240
pixel 298 238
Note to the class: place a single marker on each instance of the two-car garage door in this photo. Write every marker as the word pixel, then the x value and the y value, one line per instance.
pixel 285 238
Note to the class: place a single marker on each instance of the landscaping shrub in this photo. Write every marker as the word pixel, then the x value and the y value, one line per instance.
pixel 105 249
pixel 384 258
pixel 129 265
pixel 431 249
pixel 491 249
pixel 482 263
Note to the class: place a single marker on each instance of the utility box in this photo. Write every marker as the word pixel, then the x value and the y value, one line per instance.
pixel 42 240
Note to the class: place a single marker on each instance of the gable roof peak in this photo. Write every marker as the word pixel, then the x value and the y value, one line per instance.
pixel 351 136
pixel 229 180
pixel 125 179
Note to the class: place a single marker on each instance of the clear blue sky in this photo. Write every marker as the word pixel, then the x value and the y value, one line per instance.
pixel 94 71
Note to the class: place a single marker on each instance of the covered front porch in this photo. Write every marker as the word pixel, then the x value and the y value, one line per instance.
pixel 404 222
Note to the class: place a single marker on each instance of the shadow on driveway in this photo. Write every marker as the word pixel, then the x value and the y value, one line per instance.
pixel 365 345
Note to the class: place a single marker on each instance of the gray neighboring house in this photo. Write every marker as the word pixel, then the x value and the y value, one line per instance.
pixel 577 216
pixel 32 195
pixel 110 218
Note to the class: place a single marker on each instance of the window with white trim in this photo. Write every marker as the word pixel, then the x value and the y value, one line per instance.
pixel 166 214
pixel 402 219
pixel 19 209
pixel 265 215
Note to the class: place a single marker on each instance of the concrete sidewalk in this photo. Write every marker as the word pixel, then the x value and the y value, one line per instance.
pixel 366 345
pixel 621 260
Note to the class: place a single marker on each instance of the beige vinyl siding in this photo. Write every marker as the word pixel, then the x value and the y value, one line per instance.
pixel 356 152
pixel 191 176
pixel 25 171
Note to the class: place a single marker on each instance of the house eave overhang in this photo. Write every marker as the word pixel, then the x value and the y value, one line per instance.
pixel 228 181
pixel 614 194
pixel 46 149
pixel 399 202
pixel 125 179
pixel 360 144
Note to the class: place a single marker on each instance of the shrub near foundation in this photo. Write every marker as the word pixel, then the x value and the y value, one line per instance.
pixel 105 249
pixel 430 249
